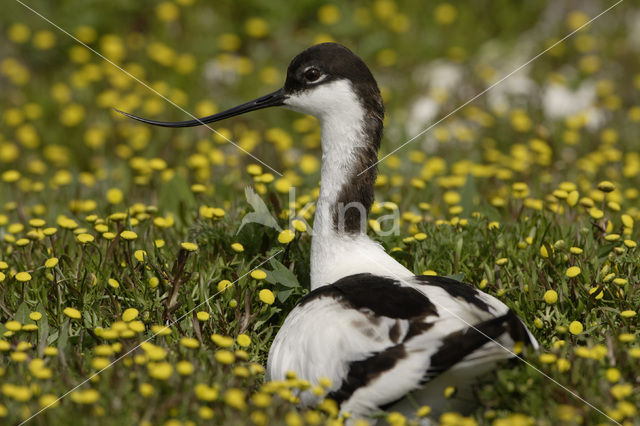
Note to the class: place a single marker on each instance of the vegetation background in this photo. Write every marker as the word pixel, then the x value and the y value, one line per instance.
pixel 110 230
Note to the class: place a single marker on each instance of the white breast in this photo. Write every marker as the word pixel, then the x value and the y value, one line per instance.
pixel 335 256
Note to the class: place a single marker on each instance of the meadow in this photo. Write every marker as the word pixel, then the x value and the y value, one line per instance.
pixel 133 264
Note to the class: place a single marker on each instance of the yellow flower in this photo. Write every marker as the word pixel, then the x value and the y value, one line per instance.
pixel 44 39
pixel 128 235
pixel 19 356
pixel 11 176
pixel 261 399
pixel 88 396
pixel 140 255
pixel 189 342
pixel 620 281
pixel 13 326
pixel 224 357
pixel 424 411
pixel 502 261
pixel 160 370
pixel 23 277
pixel 85 238
pixel 612 375
pixel 48 401
pixel 258 274
pixel 445 13
pixel 202 316
pixel 573 271
pixel 449 391
pixel 576 327
pixel 235 398
pixel 292 418
pixel 628 314
pixel 224 285
pixel 548 358
pixel 146 389
pixel 544 252
pixel 98 363
pixel 606 186
pixel 621 391
pixel 167 11
pixel 50 351
pixel 328 14
pixel 184 368
pixel 114 196
pixel 254 169
pixel 205 413
pixel 72 313
pixel 256 27
pixel 299 225
pixel 563 365
pixel 420 236
pixel 19 33
pixel 451 197
pixel 237 247
pixel 627 220
pixel 243 340
pixel 72 115
pixel 596 213
pixel 205 393
pixel 189 246
pixel 551 297
pixel 222 341
pixel 626 337
pixel 266 296
pixel 51 262
pixel 137 326
pixel 286 236
pixel 130 314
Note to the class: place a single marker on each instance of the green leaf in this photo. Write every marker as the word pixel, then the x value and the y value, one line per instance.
pixel 63 338
pixel 281 275
pixel 43 329
pixel 22 314
pixel 260 213
pixel 283 295
pixel 457 277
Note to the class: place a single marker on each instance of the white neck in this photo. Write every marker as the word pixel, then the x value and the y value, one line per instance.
pixel 341 133
pixel 336 254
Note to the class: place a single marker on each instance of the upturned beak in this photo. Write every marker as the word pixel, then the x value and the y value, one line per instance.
pixel 276 98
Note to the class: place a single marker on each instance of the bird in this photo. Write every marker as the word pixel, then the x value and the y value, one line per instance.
pixel 378 336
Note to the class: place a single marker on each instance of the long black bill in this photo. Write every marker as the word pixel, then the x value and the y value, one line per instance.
pixel 276 98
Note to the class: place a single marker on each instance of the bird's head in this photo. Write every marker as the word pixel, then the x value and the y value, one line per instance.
pixel 322 80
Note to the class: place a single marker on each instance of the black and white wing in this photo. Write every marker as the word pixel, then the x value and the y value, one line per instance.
pixel 378 339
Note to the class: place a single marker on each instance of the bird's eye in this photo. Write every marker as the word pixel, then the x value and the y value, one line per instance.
pixel 312 74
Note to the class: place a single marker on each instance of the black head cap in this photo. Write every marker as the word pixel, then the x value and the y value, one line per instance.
pixel 326 62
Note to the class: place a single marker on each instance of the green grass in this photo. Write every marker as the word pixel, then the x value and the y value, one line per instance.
pixel 478 196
